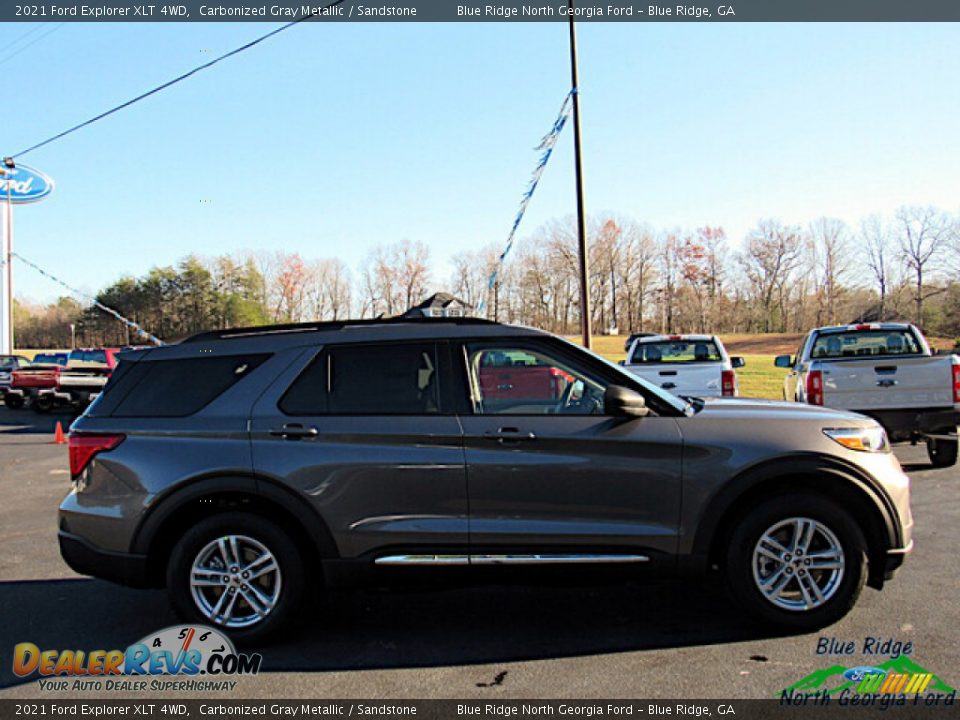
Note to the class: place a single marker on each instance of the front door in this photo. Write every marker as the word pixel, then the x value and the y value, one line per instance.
pixel 550 474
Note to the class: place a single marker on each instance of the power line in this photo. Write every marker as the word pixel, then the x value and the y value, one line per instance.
pixel 30 44
pixel 22 37
pixel 180 78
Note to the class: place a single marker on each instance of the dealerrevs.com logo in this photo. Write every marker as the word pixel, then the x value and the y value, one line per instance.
pixel 180 650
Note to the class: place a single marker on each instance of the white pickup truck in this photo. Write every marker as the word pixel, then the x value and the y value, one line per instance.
pixel 886 371
pixel 686 365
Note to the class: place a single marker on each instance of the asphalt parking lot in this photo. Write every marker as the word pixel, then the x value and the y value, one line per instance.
pixel 663 640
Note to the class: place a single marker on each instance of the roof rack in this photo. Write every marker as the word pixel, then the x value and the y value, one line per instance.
pixel 327 326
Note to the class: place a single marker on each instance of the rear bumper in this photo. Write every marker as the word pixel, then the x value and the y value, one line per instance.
pixel 84 558
pixel 908 423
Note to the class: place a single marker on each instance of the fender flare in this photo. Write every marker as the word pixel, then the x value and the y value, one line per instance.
pixel 167 504
pixel 796 465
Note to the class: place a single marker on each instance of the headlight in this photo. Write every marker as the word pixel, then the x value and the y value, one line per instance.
pixel 867 439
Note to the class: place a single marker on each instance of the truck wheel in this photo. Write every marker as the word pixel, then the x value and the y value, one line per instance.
pixel 42 404
pixel 238 572
pixel 942 453
pixel 14 402
pixel 798 561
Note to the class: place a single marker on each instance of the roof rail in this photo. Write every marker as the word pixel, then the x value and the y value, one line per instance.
pixel 327 326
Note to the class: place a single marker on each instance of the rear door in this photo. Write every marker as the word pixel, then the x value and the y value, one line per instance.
pixel 550 473
pixel 363 432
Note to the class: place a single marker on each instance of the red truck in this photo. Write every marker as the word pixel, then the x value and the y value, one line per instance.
pixel 76 383
pixel 518 380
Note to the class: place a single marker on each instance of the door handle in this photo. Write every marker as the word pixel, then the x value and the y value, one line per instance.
pixel 294 431
pixel 886 383
pixel 509 435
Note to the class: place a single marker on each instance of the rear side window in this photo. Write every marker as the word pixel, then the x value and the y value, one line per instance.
pixel 865 343
pixel 390 379
pixel 678 351
pixel 171 388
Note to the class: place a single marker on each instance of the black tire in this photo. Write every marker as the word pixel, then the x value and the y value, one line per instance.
pixel 740 561
pixel 277 541
pixel 14 402
pixel 942 453
pixel 42 404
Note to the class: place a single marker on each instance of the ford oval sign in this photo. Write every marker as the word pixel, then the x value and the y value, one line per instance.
pixel 24 185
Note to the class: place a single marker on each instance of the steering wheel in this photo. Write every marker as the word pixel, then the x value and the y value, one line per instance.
pixel 564 402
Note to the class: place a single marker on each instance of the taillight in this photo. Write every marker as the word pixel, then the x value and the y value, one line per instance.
pixel 83 448
pixel 728 383
pixel 815 387
pixel 956 383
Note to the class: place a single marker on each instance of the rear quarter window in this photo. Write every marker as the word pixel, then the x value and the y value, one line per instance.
pixel 171 388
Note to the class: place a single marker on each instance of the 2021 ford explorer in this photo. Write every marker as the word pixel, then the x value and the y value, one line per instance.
pixel 240 468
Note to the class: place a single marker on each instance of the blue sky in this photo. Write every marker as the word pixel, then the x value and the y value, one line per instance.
pixel 330 139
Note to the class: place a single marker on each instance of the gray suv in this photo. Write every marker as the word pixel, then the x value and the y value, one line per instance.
pixel 244 468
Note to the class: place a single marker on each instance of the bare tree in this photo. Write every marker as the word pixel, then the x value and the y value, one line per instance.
pixel 769 257
pixel 635 270
pixel 830 242
pixel 922 234
pixel 877 242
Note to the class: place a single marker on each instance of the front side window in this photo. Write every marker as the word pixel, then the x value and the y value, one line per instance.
pixel 388 379
pixel 507 380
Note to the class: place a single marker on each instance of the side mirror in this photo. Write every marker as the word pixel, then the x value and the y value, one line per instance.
pixel 783 361
pixel 737 362
pixel 621 401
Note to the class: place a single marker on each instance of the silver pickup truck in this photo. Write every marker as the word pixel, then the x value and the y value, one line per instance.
pixel 886 371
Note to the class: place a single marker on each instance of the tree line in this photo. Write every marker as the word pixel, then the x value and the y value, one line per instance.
pixel 780 278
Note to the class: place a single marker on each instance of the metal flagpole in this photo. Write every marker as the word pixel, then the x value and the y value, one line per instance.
pixel 6 252
pixel 581 218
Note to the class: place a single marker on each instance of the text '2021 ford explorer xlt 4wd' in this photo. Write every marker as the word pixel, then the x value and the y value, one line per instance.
pixel 241 467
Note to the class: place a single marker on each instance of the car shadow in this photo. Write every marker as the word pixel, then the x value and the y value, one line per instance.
pixel 354 630
pixel 27 422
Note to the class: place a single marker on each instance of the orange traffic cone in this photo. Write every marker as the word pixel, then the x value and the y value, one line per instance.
pixel 58 437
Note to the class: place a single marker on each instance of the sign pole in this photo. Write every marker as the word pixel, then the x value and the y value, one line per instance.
pixel 8 289
pixel 6 298
pixel 23 185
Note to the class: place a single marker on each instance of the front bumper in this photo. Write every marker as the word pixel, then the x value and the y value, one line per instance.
pixel 895 559
pixel 84 558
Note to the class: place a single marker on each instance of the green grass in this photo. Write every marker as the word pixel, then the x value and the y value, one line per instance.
pixel 760 379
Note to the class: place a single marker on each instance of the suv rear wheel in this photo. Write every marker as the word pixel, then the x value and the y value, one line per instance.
pixel 238 572
pixel 798 561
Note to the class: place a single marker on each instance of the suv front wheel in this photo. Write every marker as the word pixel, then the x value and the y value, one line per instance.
pixel 238 572
pixel 798 561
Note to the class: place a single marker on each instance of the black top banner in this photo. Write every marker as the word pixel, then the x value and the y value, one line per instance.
pixel 491 11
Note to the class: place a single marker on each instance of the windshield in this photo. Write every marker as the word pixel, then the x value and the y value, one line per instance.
pixel 676 351
pixel 866 343
pixel 49 358
pixel 678 404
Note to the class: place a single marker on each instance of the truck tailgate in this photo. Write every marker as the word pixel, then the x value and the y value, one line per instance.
pixel 888 383
pixel 701 379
